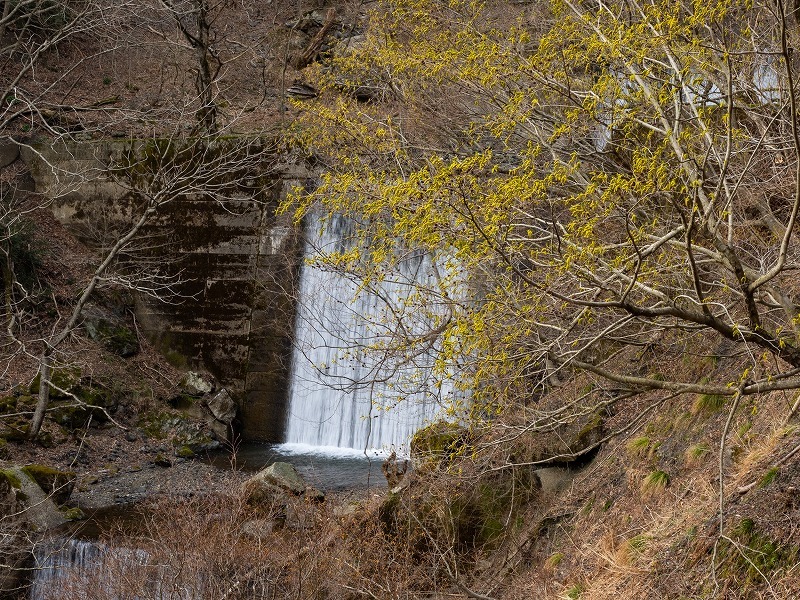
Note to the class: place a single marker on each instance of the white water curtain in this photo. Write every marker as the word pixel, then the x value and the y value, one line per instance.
pixel 347 391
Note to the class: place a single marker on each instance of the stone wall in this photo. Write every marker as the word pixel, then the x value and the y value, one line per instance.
pixel 238 265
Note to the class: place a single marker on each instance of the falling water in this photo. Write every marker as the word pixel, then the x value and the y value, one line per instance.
pixel 59 558
pixel 342 395
pixel 75 569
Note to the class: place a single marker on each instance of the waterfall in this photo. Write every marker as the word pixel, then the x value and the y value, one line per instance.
pixel 348 391
pixel 58 558
pixel 75 569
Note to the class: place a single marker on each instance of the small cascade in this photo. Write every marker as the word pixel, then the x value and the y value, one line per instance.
pixel 58 558
pixel 64 567
pixel 344 394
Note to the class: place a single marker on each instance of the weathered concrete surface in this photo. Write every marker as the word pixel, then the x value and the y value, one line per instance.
pixel 238 265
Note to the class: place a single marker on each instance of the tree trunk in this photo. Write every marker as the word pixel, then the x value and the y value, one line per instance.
pixel 207 114
pixel 45 368
pixel 4 18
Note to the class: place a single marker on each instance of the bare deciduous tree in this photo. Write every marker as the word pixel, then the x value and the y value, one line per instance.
pixel 218 168
pixel 620 182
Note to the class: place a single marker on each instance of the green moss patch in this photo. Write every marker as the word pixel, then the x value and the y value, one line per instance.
pixel 8 404
pixel 437 443
pixel 118 339
pixel 755 555
pixel 55 483
pixel 11 478
pixel 65 379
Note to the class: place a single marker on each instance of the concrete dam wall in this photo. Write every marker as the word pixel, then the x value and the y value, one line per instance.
pixel 231 265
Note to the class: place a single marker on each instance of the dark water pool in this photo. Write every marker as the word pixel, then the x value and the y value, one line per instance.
pixel 327 469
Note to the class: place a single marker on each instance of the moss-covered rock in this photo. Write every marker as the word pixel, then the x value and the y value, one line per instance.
pixel 56 484
pixel 435 444
pixel 64 381
pixel 184 452
pixel 8 404
pixel 9 479
pixel 179 430
pixel 25 402
pixel 91 400
pixel 73 514
pixel 590 433
pixel 117 338
pixel 45 439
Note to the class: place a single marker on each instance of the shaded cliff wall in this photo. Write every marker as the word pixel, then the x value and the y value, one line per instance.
pixel 237 263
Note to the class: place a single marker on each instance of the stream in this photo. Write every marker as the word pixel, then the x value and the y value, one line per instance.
pixel 75 550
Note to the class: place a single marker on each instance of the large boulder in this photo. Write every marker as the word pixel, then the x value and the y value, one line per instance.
pixel 222 407
pixel 282 475
pixel 33 505
pixel 58 485
pixel 197 384
pixel 258 492
pixel 9 151
pixel 275 483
